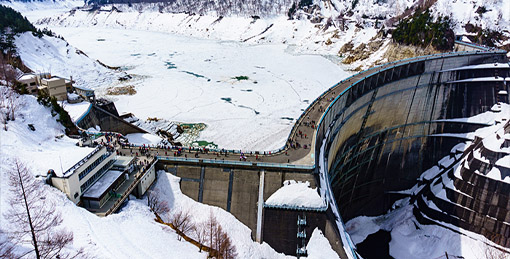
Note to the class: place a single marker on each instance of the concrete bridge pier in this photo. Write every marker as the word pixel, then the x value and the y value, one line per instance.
pixel 260 208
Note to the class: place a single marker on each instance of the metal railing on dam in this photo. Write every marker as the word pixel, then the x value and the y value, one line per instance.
pixel 381 132
pixel 231 163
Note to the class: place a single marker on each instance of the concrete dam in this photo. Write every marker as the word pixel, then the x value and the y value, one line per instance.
pixel 380 130
pixel 393 122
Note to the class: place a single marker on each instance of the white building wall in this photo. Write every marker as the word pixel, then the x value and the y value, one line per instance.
pixel 147 180
pixel 71 185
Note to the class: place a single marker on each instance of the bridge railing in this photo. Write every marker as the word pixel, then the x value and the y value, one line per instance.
pixel 230 162
pixel 329 90
pixel 138 177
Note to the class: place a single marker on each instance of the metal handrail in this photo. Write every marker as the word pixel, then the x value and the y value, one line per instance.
pixel 139 177
pixel 230 162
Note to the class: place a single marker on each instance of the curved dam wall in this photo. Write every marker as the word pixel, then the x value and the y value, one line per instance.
pixel 384 130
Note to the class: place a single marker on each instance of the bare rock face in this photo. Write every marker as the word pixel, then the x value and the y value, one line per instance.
pixel 122 90
pixel 398 52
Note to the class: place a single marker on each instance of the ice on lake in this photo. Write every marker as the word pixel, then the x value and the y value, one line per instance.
pixel 188 79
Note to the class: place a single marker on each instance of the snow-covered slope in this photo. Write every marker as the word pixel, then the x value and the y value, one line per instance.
pixel 132 232
pixel 55 56
pixel 44 8
pixel 117 236
pixel 296 194
pixel 496 17
pixel 323 26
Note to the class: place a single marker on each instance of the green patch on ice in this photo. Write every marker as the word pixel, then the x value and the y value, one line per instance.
pixel 240 78
pixel 170 65
pixel 135 55
pixel 227 99
pixel 203 143
pixel 152 54
pixel 126 68
pixel 189 132
pixel 186 126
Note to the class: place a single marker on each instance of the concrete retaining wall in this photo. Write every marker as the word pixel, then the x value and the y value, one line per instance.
pixel 233 189
pixel 107 121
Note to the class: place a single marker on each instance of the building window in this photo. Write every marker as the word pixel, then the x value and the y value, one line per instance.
pixel 92 166
pixel 96 176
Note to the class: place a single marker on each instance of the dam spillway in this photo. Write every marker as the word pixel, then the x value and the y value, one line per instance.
pixel 379 135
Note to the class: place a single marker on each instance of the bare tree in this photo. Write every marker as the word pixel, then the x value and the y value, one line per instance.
pixel 8 105
pixel 34 218
pixel 340 20
pixel 6 247
pixel 200 233
pixel 220 243
pixel 211 227
pixel 155 203
pixel 7 71
pixel 225 247
pixel 181 220
pixel 12 105
pixel 3 119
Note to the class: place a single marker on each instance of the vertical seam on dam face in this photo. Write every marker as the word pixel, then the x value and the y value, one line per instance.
pixel 201 186
pixel 230 186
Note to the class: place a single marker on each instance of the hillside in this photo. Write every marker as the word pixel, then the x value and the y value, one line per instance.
pixel 359 31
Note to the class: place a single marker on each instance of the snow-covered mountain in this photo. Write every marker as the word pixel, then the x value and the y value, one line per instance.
pixel 357 29
pixel 56 56
pixel 330 27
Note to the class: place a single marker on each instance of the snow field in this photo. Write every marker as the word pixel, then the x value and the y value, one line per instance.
pixel 76 110
pixel 169 189
pixel 55 56
pixel 143 138
pixel 192 80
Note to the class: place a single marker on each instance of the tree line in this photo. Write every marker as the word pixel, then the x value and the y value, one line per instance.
pixel 13 23
pixel 422 30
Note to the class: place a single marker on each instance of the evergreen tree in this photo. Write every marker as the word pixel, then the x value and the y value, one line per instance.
pixel 421 30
